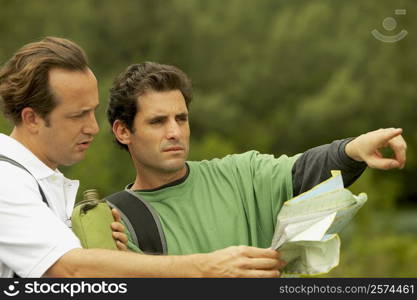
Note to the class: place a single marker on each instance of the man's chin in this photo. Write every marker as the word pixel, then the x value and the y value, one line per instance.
pixel 73 160
pixel 174 166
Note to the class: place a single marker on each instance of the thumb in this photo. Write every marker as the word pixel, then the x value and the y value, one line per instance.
pixel 382 163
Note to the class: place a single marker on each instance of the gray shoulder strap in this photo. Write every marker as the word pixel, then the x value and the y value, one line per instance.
pixel 142 221
pixel 13 162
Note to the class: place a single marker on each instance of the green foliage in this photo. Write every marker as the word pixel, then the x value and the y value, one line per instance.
pixel 272 75
pixel 380 255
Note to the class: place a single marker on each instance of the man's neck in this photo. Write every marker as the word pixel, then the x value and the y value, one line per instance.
pixel 147 180
pixel 29 143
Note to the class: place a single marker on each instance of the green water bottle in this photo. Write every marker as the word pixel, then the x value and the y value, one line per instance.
pixel 91 219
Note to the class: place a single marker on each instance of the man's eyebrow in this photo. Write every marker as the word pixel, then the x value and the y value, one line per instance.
pixel 182 115
pixel 156 117
pixel 161 116
pixel 85 110
pixel 91 108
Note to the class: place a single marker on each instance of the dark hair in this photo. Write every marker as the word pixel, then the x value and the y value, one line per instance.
pixel 137 80
pixel 24 79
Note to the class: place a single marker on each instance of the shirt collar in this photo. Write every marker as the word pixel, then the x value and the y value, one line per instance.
pixel 169 184
pixel 16 151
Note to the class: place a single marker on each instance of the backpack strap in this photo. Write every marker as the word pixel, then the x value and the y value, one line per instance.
pixel 141 220
pixel 13 162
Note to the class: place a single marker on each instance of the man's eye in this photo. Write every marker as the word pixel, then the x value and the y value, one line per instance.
pixel 182 118
pixel 157 121
pixel 79 115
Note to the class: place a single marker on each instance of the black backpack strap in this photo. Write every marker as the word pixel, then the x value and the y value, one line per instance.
pixel 13 162
pixel 141 220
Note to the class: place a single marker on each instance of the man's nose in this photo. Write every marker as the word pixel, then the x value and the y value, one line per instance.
pixel 92 126
pixel 173 130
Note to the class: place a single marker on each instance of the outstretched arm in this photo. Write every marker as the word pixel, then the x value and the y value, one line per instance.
pixel 315 164
pixel 351 156
pixel 236 261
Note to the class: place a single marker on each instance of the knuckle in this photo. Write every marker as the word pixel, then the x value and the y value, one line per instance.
pixel 241 250
pixel 276 254
pixel 243 263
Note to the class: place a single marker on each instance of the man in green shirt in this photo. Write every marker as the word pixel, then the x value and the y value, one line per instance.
pixel 208 205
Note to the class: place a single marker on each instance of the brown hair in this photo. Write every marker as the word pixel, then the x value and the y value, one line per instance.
pixel 138 79
pixel 24 78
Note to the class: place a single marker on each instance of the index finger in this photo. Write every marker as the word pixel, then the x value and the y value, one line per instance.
pixel 261 252
pixel 388 134
pixel 399 146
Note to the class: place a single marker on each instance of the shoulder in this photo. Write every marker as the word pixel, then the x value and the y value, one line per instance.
pixel 228 159
pixel 10 173
pixel 248 157
pixel 232 163
pixel 17 182
pixel 253 163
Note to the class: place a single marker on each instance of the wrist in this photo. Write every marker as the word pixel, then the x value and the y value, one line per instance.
pixel 198 265
pixel 351 150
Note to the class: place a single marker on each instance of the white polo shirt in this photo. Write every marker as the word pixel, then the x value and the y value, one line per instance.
pixel 33 236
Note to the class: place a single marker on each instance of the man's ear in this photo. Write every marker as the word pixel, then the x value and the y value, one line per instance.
pixel 121 132
pixel 31 120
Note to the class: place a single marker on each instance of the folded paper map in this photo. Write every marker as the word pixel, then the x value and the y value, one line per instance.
pixel 307 227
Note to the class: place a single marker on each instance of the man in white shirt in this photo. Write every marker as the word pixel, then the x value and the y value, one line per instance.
pixel 50 95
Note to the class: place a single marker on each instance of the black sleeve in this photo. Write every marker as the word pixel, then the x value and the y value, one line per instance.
pixel 315 164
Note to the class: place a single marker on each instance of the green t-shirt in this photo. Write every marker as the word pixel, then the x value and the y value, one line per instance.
pixel 224 202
